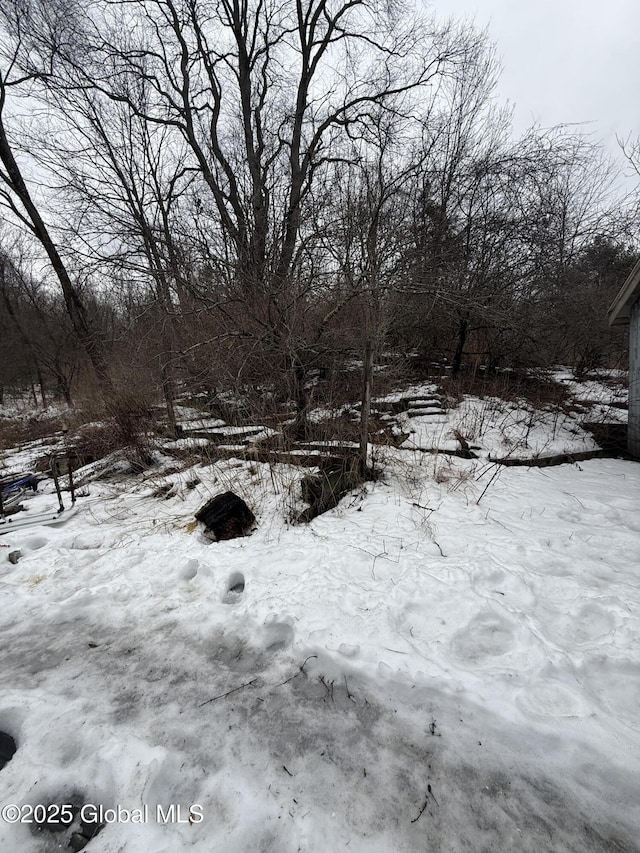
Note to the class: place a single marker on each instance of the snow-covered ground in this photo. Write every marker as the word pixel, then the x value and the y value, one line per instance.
pixel 500 430
pixel 603 397
pixel 515 430
pixel 447 661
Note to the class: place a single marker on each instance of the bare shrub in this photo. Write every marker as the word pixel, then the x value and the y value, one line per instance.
pixel 123 424
pixel 132 417
pixel 537 387
pixel 15 431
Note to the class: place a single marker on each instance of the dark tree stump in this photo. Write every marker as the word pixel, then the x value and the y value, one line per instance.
pixel 225 517
pixel 325 489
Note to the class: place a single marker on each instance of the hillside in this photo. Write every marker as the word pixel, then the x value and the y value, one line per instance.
pixel 446 661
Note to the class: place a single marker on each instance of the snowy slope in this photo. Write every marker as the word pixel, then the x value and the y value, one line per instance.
pixel 431 666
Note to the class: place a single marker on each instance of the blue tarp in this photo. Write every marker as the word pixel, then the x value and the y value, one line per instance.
pixel 23 481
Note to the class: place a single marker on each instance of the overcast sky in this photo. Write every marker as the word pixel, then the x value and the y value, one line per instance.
pixel 564 60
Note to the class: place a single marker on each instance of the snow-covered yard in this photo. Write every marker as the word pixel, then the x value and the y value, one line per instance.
pixel 413 671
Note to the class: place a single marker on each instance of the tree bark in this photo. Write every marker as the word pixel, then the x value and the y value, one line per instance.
pixel 24 337
pixel 301 398
pixel 365 411
pixel 463 325
pixel 75 307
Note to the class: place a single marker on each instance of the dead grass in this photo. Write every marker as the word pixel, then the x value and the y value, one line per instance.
pixel 535 387
pixel 15 431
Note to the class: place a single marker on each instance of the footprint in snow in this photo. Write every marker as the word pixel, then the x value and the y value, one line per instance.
pixel 7 749
pixel 277 635
pixel 189 570
pixel 549 698
pixel 34 543
pixel 69 814
pixel 486 636
pixel 235 588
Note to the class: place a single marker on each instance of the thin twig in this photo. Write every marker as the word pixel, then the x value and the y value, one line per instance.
pixel 416 819
pixel 346 685
pixel 493 477
pixel 229 692
pixel 300 672
pixel 328 686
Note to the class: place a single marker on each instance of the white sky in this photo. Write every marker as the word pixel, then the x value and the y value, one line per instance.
pixel 564 61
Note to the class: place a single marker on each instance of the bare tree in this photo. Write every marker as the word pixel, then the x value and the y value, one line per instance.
pixel 630 148
pixel 17 198
pixel 261 96
pixel 124 180
pixel 38 316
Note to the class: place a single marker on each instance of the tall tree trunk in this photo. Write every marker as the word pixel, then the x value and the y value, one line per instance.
pixel 87 336
pixel 167 392
pixel 365 410
pixel 463 325
pixel 33 390
pixel 64 388
pixel 43 395
pixel 301 399
pixel 24 337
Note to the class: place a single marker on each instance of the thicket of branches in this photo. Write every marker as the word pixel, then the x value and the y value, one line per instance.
pixel 252 196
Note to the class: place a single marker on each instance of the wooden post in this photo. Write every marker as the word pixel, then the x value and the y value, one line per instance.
pixel 72 487
pixel 55 471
